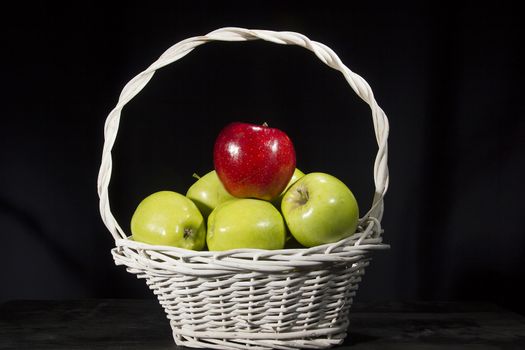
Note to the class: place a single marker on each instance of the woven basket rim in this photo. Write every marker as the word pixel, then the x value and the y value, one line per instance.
pixel 361 240
pixel 166 260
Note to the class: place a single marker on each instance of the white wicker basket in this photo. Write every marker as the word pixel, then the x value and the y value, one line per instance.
pixel 247 298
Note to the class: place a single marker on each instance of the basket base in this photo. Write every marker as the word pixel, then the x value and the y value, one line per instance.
pixel 293 299
pixel 259 344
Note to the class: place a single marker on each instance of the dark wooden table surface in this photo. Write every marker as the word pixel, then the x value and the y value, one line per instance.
pixel 140 324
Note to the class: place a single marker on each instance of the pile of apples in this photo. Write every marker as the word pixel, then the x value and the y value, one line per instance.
pixel 255 198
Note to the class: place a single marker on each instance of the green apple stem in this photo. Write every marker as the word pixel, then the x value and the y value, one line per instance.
pixel 188 233
pixel 196 176
pixel 304 196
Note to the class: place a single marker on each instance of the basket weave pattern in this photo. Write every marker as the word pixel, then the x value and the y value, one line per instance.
pixel 248 298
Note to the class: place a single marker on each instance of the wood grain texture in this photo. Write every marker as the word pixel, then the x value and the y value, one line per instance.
pixel 141 324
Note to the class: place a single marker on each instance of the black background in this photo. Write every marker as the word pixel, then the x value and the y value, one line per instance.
pixel 449 78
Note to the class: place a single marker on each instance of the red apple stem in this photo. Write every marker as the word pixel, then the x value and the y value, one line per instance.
pixel 265 124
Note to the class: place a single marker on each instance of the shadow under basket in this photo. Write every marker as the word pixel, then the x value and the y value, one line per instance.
pixel 249 298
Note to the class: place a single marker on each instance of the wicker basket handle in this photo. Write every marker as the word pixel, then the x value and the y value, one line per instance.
pixel 181 49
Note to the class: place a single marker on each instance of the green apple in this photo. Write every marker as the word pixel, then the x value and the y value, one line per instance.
pixel 297 174
pixel 319 209
pixel 169 218
pixel 207 193
pixel 245 223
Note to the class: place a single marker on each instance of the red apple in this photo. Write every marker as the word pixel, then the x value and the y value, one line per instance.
pixel 254 161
